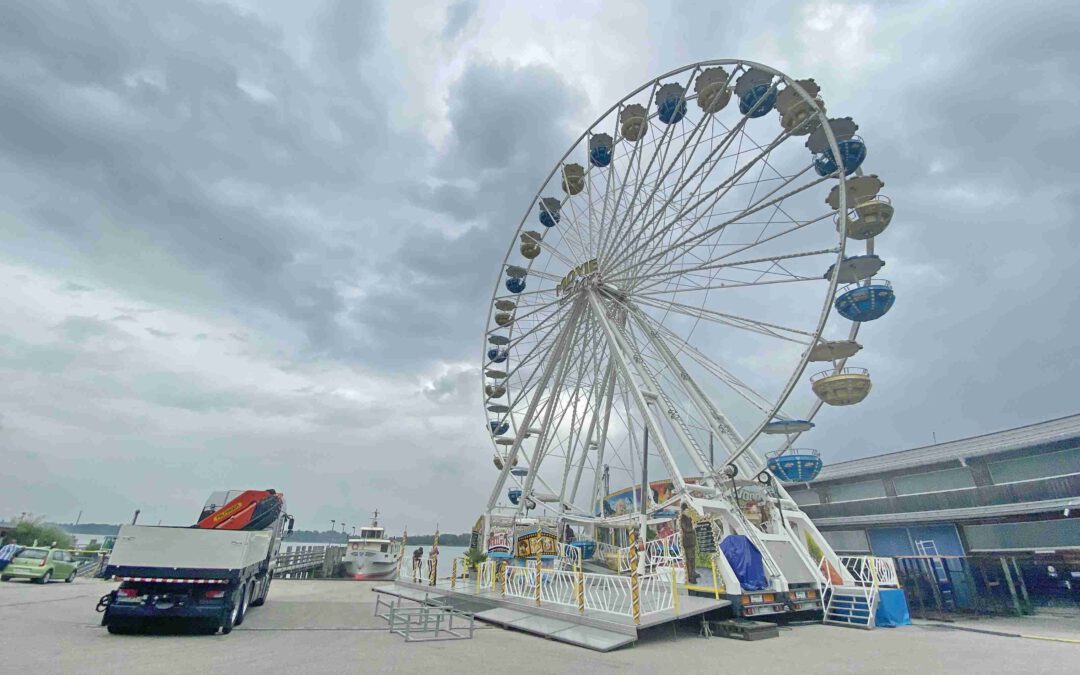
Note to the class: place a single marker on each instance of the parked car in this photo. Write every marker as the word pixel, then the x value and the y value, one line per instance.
pixel 41 565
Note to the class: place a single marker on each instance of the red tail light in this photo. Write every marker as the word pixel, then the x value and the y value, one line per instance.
pixel 128 592
pixel 43 561
pixel 214 593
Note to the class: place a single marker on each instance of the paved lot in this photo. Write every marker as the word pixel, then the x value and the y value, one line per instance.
pixel 329 627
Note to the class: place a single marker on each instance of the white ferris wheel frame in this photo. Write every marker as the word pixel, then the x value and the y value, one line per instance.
pixel 623 359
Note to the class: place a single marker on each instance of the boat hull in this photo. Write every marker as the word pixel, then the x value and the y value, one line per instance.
pixel 365 568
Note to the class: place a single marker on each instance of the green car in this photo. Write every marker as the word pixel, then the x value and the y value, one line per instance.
pixel 41 565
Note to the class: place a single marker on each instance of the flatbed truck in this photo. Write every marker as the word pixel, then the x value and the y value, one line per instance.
pixel 209 574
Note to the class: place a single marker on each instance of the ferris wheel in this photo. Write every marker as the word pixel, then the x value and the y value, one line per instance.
pixel 671 282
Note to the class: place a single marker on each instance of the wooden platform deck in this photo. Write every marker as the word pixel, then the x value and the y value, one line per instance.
pixel 601 631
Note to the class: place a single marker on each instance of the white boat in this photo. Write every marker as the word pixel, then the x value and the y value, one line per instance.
pixel 370 555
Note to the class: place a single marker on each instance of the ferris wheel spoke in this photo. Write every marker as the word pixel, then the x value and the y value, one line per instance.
pixel 625 243
pixel 636 152
pixel 714 261
pixel 713 196
pixel 558 366
pixel 748 393
pixel 744 323
pixel 743 263
pixel 706 168
pixel 732 284
pixel 680 246
pixel 718 152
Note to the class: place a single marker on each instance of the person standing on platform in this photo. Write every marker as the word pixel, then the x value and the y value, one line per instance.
pixel 689 543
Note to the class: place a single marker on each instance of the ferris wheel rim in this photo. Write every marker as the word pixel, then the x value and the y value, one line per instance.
pixel 590 130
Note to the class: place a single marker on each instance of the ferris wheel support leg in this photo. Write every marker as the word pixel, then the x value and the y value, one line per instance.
pixel 623 365
pixel 556 358
pixel 562 361
pixel 605 395
pixel 591 403
pixel 601 444
pixel 749 464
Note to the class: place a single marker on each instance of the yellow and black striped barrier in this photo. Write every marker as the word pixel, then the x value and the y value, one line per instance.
pixel 635 591
pixel 580 589
pixel 539 575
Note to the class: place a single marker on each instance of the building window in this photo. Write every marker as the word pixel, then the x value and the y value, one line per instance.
pixel 847 492
pixel 804 497
pixel 1059 463
pixel 934 481
pixel 847 541
pixel 1047 534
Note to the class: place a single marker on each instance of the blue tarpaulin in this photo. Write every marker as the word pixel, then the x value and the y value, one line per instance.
pixel 745 561
pixel 892 608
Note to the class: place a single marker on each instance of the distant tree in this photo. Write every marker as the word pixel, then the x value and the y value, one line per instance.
pixel 93 546
pixel 31 529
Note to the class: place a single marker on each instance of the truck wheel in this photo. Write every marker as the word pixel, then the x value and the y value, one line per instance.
pixel 45 578
pixel 229 620
pixel 264 590
pixel 245 598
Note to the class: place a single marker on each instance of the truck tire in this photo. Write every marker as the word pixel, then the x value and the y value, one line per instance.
pixel 228 620
pixel 245 598
pixel 264 590
pixel 233 616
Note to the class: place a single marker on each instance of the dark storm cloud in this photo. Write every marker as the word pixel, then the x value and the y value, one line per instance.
pixel 458 15
pixel 509 126
pixel 176 130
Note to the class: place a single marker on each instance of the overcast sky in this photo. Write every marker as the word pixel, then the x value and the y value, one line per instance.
pixel 252 244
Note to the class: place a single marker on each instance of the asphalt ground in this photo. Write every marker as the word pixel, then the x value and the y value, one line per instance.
pixel 330 627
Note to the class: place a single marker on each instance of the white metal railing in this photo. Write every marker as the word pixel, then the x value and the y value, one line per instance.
pixel 665 551
pixel 885 569
pixel 485 576
pixel 602 592
pixel 869 571
pixel 615 558
pixel 569 556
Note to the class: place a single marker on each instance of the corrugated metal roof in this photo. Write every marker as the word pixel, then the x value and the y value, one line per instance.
pixel 999 441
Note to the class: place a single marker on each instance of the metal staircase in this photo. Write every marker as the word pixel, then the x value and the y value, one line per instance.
pixel 854 603
pixel 850 606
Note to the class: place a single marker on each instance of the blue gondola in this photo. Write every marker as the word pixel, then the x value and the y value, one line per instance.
pixel 496 355
pixel 750 98
pixel 796 466
pixel 515 284
pixel 514 495
pixel 519 471
pixel 670 103
pixel 498 428
pixel 600 150
pixel 852 151
pixel 866 303
pixel 549 211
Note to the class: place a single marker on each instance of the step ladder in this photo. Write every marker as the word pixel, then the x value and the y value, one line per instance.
pixel 852 606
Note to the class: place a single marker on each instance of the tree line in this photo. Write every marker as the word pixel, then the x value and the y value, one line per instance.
pixel 298 536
